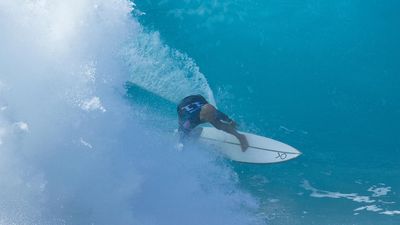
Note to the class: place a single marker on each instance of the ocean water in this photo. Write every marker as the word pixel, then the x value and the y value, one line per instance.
pixel 87 111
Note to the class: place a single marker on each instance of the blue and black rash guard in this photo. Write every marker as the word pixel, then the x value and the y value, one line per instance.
pixel 189 114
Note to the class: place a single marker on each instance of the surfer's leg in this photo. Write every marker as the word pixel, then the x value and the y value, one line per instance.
pixel 208 113
pixel 244 144
pixel 230 128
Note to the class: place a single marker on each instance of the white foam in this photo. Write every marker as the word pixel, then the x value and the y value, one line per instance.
pixel 22 126
pixel 285 129
pixel 61 63
pixel 328 194
pixel 377 192
pixel 85 143
pixel 92 104
pixel 391 213
pixel 2 134
pixel 372 208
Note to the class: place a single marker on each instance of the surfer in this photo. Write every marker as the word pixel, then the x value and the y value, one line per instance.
pixel 194 110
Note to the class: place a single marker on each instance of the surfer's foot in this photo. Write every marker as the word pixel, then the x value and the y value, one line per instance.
pixel 243 142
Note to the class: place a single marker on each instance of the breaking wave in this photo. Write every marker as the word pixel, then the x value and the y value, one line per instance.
pixel 73 149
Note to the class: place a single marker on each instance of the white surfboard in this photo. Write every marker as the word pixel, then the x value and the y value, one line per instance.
pixel 261 149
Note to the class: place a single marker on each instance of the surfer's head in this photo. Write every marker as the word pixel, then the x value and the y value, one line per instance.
pixel 208 113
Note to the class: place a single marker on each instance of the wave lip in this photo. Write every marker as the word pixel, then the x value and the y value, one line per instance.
pixel 164 71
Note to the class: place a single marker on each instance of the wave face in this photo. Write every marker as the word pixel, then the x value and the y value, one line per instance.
pixel 73 149
pixel 322 76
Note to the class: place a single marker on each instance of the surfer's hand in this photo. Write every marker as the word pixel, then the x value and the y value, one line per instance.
pixel 179 147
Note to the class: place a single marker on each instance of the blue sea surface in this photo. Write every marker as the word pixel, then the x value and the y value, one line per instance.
pixel 88 94
pixel 323 76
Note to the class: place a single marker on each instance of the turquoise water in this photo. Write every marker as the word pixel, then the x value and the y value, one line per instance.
pixel 321 76
pixel 88 90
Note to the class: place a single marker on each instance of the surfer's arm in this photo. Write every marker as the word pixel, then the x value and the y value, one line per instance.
pixel 183 130
pixel 182 135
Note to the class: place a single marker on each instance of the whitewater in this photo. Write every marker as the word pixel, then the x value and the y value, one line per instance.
pixel 88 93
pixel 75 148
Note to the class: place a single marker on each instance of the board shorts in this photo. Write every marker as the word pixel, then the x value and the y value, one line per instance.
pixel 189 113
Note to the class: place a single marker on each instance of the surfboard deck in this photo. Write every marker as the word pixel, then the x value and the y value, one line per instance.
pixel 261 149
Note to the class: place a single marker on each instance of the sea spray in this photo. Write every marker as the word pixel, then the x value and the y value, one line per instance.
pixel 72 150
pixel 168 72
